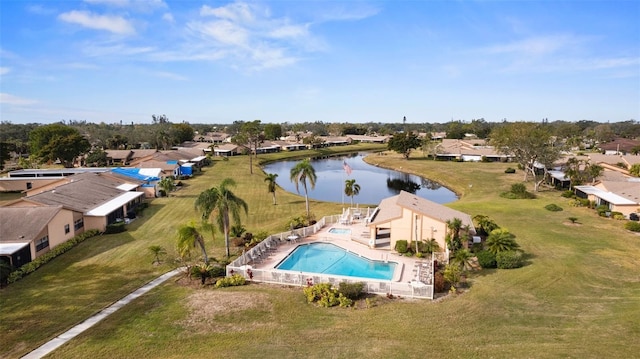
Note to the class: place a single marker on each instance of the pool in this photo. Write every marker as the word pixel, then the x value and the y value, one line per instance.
pixel 340 230
pixel 327 258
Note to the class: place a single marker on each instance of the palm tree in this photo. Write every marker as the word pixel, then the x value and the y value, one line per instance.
pixel 462 258
pixel 453 237
pixel 484 224
pixel 501 240
pixel 271 184
pixel 189 236
pixel 157 252
pixel 202 271
pixel 225 204
pixel 167 185
pixel 300 173
pixel 351 188
pixel 431 245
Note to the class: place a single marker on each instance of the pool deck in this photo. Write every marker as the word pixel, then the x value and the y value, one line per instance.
pixel 406 271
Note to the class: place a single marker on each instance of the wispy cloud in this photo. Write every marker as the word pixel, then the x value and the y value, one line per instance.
pixel 535 46
pixel 40 9
pixel 4 70
pixel 114 24
pixel 168 17
pixel 9 99
pixel 138 5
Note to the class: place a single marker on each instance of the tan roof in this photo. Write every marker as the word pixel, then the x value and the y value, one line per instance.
pixel 629 190
pixel 14 227
pixel 85 192
pixel 608 159
pixel 391 208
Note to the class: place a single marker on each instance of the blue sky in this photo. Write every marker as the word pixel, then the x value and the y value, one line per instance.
pixel 331 61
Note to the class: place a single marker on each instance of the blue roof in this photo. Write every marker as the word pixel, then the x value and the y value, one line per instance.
pixel 134 173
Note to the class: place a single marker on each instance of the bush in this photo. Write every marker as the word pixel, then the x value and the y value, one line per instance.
pixel 510 170
pixel 567 194
pixel 326 295
pixel 233 281
pixel 553 207
pixel 351 290
pixel 402 246
pixel 217 271
pixel 603 210
pixel 518 191
pixel 632 226
pixel 486 259
pixel 509 259
pixel 438 282
pixel 54 252
pixel 238 242
pixel 115 228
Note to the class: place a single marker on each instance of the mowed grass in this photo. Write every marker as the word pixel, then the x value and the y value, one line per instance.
pixel 578 296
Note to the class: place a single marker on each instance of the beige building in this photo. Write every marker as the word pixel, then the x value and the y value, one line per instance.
pixel 27 232
pixel 412 218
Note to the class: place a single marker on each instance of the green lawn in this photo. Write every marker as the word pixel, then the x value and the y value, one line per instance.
pixel 578 296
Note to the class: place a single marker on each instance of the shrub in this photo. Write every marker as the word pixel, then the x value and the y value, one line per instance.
pixel 233 281
pixel 115 228
pixel 486 259
pixel 518 188
pixel 452 273
pixel 573 219
pixel 351 290
pixel 238 241
pixel 401 246
pixel 509 259
pixel 518 191
pixel 510 170
pixel 602 210
pixel 438 282
pixel 553 207
pixel 567 194
pixel 326 296
pixel 632 226
pixel 217 271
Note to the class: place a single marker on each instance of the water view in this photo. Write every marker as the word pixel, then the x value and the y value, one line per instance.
pixel 375 183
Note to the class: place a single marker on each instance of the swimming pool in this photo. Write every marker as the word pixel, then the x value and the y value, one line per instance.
pixel 327 258
pixel 340 230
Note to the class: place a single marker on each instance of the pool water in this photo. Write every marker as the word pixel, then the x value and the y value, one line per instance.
pixel 327 258
pixel 340 230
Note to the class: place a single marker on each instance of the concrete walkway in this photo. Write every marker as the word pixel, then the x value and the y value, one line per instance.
pixel 58 341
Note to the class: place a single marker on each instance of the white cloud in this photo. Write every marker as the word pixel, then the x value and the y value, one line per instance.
pixel 139 5
pixel 535 46
pixel 115 24
pixel 97 50
pixel 223 32
pixel 9 99
pixel 239 12
pixel 4 70
pixel 39 10
pixel 168 17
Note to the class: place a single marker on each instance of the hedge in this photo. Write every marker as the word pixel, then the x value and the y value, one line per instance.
pixel 45 258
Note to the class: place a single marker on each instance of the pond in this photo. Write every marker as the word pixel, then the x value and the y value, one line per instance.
pixel 375 183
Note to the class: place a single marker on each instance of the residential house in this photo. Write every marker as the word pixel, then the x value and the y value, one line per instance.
pixel 27 232
pixel 409 217
pixel 468 150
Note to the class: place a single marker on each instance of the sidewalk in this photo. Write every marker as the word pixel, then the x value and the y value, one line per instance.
pixel 58 341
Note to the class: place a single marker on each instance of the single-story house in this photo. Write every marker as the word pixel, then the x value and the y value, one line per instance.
pixel 407 216
pixel 100 201
pixel 27 232
pixel 226 150
pixel 615 202
pixel 468 150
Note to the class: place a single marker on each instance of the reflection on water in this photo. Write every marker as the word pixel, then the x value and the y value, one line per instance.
pixel 375 183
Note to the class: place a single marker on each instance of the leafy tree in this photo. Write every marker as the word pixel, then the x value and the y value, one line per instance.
pixel 97 158
pixel 351 188
pixel 271 184
pixel 224 204
pixel 501 240
pixel 157 252
pixel 188 237
pixel 300 173
pixel 404 142
pixel 201 271
pixel 5 147
pixel 581 171
pixel 57 141
pixel 182 132
pixel 635 170
pixel 167 184
pixel 529 144
pixel 5 270
pixel 272 131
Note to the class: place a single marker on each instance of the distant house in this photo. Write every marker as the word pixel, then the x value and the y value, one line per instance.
pixel 468 150
pixel 226 150
pixel 620 197
pixel 21 241
pixel 412 218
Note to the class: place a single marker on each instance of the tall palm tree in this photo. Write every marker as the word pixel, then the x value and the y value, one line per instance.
pixel 271 184
pixel 453 237
pixel 500 240
pixel 351 188
pixel 189 236
pixel 224 204
pixel 302 172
